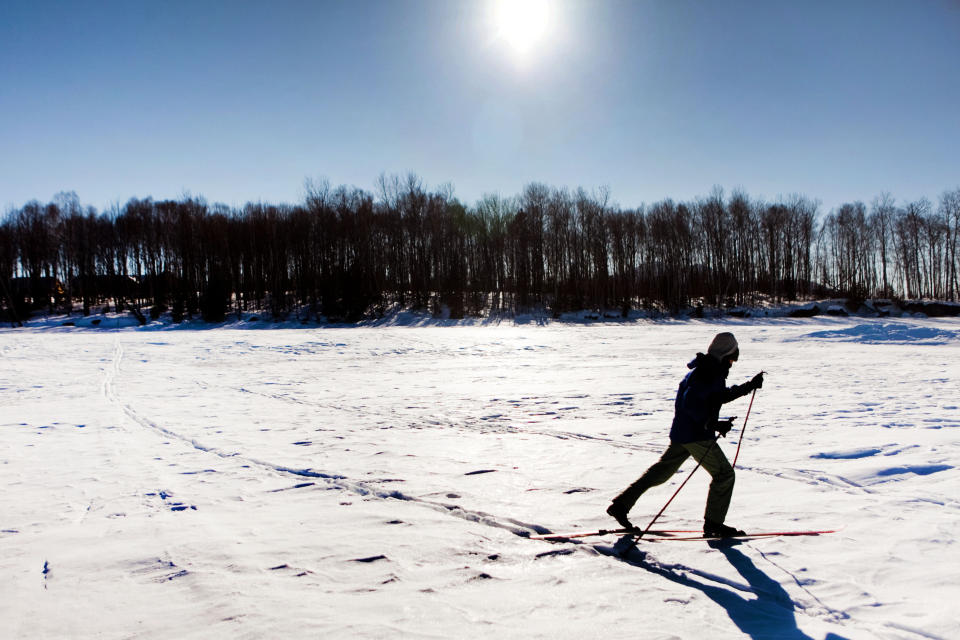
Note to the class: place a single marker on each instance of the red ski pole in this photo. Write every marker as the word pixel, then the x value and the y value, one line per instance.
pixel 743 430
pixel 682 485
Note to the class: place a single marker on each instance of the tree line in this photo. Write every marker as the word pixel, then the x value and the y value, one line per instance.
pixel 345 253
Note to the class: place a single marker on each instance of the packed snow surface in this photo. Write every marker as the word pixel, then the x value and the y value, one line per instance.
pixel 383 482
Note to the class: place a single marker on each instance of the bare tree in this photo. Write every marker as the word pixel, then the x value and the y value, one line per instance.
pixel 882 214
pixel 950 211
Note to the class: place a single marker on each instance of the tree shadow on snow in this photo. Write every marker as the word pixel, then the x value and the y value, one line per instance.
pixel 763 610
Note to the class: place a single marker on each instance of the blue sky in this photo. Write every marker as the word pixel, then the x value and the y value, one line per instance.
pixel 242 101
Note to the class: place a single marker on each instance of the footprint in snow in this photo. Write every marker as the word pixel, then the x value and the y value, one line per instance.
pixel 301 485
pixel 482 576
pixel 174 506
pixel 158 570
pixel 370 559
pixel 297 573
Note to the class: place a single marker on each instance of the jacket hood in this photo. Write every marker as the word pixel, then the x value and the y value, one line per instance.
pixel 697 361
pixel 709 365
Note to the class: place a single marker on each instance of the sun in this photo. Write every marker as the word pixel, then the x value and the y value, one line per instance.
pixel 522 25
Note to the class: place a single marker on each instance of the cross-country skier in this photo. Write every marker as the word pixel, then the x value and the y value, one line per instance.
pixel 696 417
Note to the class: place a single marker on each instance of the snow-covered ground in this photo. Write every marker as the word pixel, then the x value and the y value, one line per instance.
pixel 381 482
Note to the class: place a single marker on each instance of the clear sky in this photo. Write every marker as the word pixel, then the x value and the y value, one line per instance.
pixel 241 101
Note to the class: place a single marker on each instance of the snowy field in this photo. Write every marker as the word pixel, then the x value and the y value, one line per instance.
pixel 381 482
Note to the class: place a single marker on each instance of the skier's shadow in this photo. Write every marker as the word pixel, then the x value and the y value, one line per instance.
pixel 767 611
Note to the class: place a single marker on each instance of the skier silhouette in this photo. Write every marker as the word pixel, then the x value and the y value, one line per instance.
pixel 696 417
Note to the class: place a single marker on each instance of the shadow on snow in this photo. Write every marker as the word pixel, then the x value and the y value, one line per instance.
pixel 765 611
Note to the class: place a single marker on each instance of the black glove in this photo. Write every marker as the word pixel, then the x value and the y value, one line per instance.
pixel 723 426
pixel 757 381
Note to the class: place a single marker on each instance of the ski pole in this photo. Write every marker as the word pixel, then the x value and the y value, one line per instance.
pixel 636 538
pixel 743 429
pixel 682 485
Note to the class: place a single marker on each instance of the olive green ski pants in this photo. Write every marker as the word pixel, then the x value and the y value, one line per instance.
pixel 712 459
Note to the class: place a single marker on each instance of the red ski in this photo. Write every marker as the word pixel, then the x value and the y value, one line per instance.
pixel 747 536
pixel 571 535
pixel 676 535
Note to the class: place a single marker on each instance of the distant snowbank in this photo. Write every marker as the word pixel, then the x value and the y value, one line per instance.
pixel 407 317
pixel 888 332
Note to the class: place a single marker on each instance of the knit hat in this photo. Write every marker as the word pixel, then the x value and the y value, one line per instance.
pixel 724 346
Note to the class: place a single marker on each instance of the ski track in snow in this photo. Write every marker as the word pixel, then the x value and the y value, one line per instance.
pixel 331 479
pixel 544 417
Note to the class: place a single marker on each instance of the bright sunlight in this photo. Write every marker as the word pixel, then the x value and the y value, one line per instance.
pixel 522 25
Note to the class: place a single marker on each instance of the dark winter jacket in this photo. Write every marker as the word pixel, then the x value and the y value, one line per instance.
pixel 699 398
